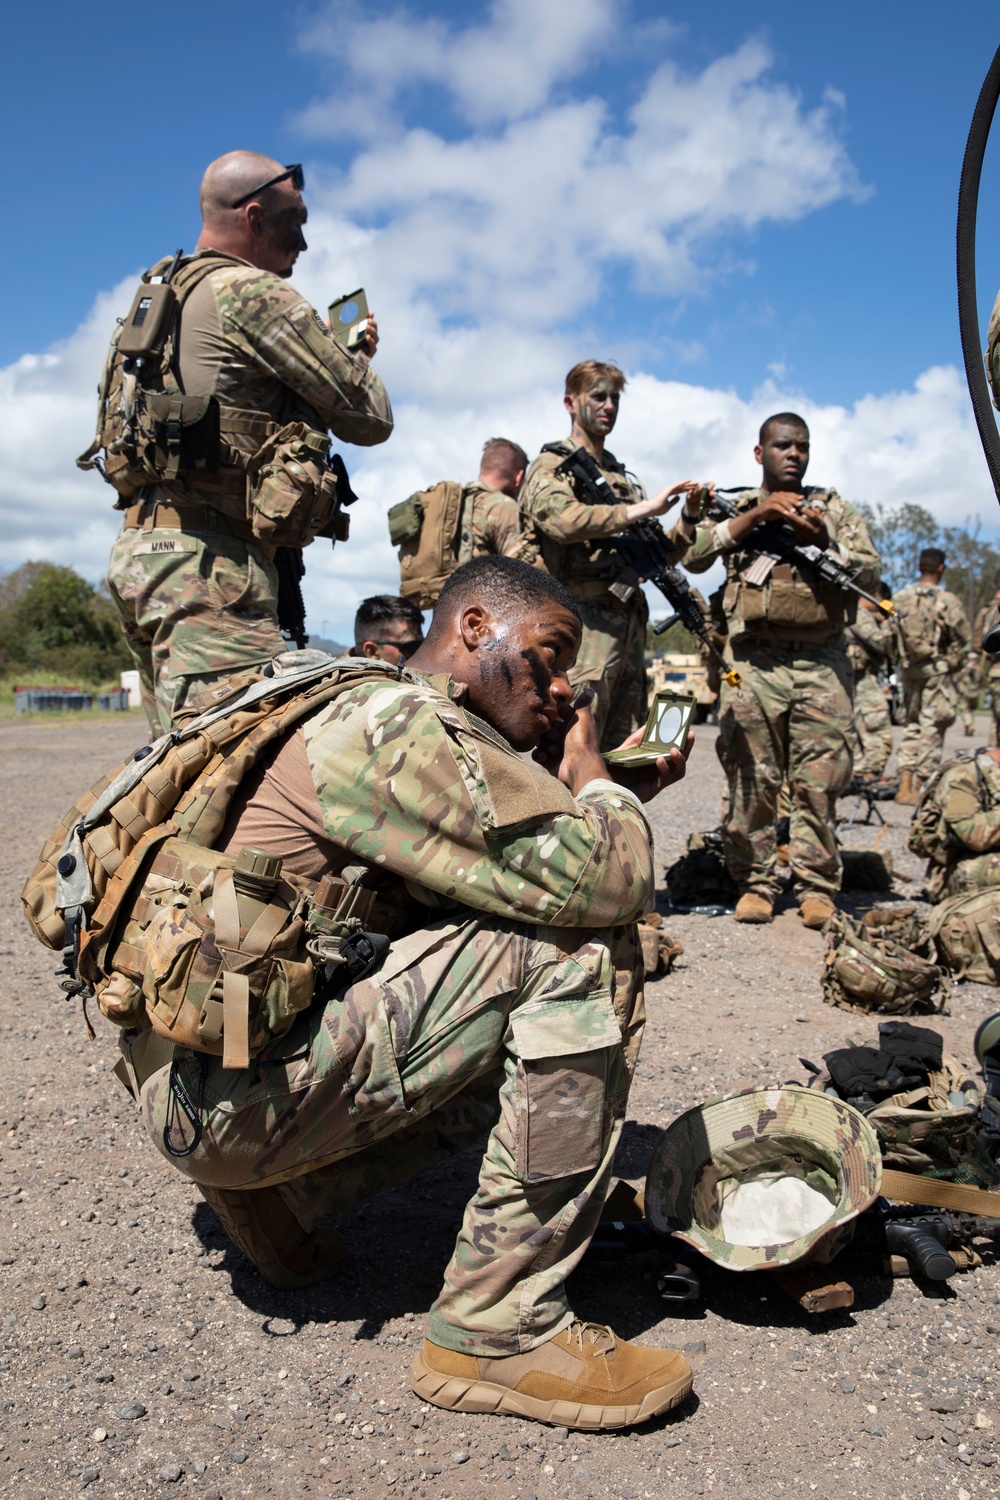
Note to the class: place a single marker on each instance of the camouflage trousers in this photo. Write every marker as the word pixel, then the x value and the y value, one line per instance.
pixel 872 725
pixel 973 874
pixel 612 661
pixel 790 718
pixel 993 683
pixel 195 607
pixel 931 705
pixel 531 1033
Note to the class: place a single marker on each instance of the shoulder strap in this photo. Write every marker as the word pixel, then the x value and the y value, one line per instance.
pixel 910 1187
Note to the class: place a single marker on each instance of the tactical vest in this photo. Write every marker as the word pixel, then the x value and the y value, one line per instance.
pixel 168 932
pixel 434 537
pixel 765 597
pixel 276 478
pixel 590 571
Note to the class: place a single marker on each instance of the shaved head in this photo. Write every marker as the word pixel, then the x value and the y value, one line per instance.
pixel 229 178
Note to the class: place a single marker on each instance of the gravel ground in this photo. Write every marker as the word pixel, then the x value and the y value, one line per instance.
pixel 140 1354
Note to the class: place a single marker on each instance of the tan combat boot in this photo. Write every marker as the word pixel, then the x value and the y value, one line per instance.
pixel 265 1229
pixel 908 788
pixel 753 907
pixel 585 1377
pixel 816 909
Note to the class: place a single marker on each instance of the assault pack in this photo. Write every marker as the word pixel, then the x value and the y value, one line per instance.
pixel 872 965
pixel 930 836
pixel 427 529
pixel 919 627
pixel 213 952
pixel 278 480
pixel 965 931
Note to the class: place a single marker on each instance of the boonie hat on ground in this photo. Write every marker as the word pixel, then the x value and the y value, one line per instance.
pixel 764 1177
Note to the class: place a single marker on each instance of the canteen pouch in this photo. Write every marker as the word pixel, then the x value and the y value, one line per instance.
pixel 294 494
pixel 208 981
pixel 965 930
pixel 405 520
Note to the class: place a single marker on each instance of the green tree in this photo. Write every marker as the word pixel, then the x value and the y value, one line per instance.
pixel 901 533
pixel 53 620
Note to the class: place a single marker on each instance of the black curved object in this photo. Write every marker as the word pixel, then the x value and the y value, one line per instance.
pixel 968 313
pixel 968 316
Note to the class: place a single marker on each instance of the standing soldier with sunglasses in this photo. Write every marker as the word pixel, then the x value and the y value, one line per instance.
pixel 196 422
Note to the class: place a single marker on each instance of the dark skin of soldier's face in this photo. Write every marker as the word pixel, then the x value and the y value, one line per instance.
pixel 520 684
pixel 784 457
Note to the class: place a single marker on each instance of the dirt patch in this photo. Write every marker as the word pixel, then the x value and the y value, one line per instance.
pixel 141 1354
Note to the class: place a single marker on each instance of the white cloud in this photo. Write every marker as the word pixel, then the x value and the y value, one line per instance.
pixel 486 253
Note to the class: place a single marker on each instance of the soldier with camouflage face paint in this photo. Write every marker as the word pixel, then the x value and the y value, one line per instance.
pixel 510 1001
pixel 791 717
pixel 196 592
pixel 571 532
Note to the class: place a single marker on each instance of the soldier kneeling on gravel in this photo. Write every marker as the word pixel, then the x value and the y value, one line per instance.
pixel 510 1001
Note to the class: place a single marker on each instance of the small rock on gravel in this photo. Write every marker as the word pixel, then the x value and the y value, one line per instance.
pixel 170 1473
pixel 847 1386
pixel 132 1411
pixel 945 1403
pixel 460 1457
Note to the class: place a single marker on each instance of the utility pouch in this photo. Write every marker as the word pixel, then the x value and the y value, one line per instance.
pixel 293 493
pixel 186 433
pixel 215 944
pixel 405 520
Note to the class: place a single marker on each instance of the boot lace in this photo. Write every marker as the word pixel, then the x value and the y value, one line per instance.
pixel 598 1336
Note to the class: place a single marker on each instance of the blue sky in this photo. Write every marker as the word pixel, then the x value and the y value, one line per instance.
pixel 745 207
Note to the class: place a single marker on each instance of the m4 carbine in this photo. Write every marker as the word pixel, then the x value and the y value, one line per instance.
pixel 776 539
pixel 645 547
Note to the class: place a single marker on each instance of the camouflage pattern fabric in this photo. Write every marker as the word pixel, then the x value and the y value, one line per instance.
pixel 491 524
pixel 704 1154
pixel 790 718
pixel 969 686
pixel 931 706
pixel 937 633
pixel 992 668
pixel 968 798
pixel 873 727
pixel 531 978
pixel 195 608
pixel 250 339
pixel 570 534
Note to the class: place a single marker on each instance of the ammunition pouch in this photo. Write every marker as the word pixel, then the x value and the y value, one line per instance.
pixel 185 434
pixel 405 520
pixel 786 602
pixel 294 492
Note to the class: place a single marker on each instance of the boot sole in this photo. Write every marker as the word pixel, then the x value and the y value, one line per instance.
pixel 455 1394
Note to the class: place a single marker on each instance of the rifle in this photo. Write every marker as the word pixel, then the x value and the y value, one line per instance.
pixel 645 547
pixel 291 568
pixel 777 540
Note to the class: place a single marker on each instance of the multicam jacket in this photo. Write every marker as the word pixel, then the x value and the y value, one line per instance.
pixel 781 603
pixel 490 524
pixel 934 628
pixel 870 643
pixel 966 797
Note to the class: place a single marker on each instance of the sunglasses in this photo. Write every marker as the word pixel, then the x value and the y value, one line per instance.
pixel 294 172
pixel 405 648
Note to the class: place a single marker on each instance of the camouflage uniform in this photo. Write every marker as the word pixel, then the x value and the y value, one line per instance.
pixel 992 668
pixel 491 524
pixel 791 717
pixel 571 533
pixel 869 647
pixel 934 641
pixel 968 795
pixel 197 595
pixel 515 1006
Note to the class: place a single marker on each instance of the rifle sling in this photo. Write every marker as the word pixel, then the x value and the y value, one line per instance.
pixel 910 1187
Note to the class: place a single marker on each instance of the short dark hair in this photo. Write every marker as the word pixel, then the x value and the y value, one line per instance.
pixel 931 559
pixel 883 590
pixel 783 419
pixel 385 609
pixel 502 456
pixel 503 584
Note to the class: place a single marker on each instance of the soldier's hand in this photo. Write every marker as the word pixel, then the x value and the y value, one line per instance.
pixel 661 502
pixel 807 523
pixel 370 343
pixel 648 781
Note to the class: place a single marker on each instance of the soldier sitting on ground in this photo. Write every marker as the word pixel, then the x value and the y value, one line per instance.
pixel 934 640
pixel 387 628
pixel 957 826
pixel 510 1001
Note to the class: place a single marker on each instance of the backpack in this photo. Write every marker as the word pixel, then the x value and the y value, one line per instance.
pixel 919 627
pixel 278 478
pixel 169 932
pixel 426 528
pixel 700 878
pixel 965 930
pixel 864 970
